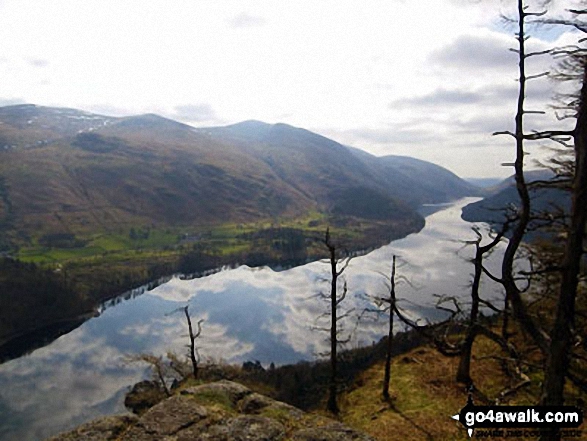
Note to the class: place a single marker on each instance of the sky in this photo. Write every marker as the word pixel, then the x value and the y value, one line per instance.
pixel 429 79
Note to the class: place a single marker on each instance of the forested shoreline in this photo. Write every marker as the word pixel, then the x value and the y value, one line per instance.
pixel 40 303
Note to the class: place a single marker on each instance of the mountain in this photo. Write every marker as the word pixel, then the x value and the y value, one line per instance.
pixel 320 166
pixel 415 181
pixel 483 182
pixel 65 171
pixel 490 209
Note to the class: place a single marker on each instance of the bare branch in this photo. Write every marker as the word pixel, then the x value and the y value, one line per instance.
pixel 549 134
pixel 505 132
pixel 490 275
pixel 346 262
pixel 533 14
pixel 490 305
pixel 540 75
pixel 534 54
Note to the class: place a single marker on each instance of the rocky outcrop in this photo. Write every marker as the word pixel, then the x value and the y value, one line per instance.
pixel 144 395
pixel 221 411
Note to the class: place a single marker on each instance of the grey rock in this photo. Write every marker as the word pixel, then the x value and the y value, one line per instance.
pixel 221 411
pixel 167 418
pixel 229 389
pixel 256 403
pixel 242 428
pixel 143 396
pixel 331 432
pixel 102 429
pixel 253 403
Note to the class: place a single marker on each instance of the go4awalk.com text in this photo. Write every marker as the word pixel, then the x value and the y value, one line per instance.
pixel 519 421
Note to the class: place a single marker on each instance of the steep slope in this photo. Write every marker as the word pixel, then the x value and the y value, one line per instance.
pixel 314 165
pixel 64 171
pixel 130 171
pixel 334 173
pixel 415 181
pixel 491 208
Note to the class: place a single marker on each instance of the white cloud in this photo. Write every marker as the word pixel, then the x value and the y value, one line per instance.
pixel 11 101
pixel 194 113
pixel 38 62
pixel 246 20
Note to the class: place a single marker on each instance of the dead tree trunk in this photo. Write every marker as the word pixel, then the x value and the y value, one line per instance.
pixel 332 405
pixel 193 336
pixel 335 301
pixel 387 375
pixel 513 293
pixel 557 363
pixel 464 369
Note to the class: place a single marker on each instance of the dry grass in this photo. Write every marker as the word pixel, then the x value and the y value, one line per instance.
pixel 425 394
pixel 424 397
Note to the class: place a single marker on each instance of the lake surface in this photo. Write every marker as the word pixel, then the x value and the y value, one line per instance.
pixel 250 314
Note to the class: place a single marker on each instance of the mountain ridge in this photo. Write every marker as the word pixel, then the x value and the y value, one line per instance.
pixel 65 170
pixel 504 195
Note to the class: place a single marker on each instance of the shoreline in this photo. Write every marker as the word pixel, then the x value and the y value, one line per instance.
pixel 25 341
pixel 40 336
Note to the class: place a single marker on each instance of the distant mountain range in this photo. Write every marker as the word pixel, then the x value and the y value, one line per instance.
pixel 484 182
pixel 503 195
pixel 65 170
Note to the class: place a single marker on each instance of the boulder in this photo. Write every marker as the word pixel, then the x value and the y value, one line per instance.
pixel 220 411
pixel 102 429
pixel 144 395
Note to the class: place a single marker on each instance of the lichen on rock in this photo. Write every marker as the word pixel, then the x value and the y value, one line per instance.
pixel 220 411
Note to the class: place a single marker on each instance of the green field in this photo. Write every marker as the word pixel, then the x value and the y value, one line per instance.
pixel 102 265
pixel 223 239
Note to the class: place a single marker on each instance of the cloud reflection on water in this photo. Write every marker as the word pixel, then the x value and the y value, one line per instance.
pixel 250 314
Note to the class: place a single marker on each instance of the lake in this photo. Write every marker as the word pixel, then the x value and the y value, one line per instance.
pixel 250 314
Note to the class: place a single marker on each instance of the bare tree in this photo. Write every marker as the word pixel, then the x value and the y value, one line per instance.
pixel 338 261
pixel 160 370
pixel 389 348
pixel 557 346
pixel 444 334
pixel 563 332
pixel 464 369
pixel 193 351
pixel 387 304
pixel 558 349
pixel 508 278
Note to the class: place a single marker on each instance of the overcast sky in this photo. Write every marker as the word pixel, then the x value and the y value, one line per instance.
pixel 430 79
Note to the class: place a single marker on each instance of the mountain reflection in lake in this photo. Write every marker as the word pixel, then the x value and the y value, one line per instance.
pixel 250 314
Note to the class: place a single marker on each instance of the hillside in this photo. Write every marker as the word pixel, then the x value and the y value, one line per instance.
pixel 108 204
pixel 491 208
pixel 130 172
pixel 65 171
pixel 322 167
pixel 245 403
